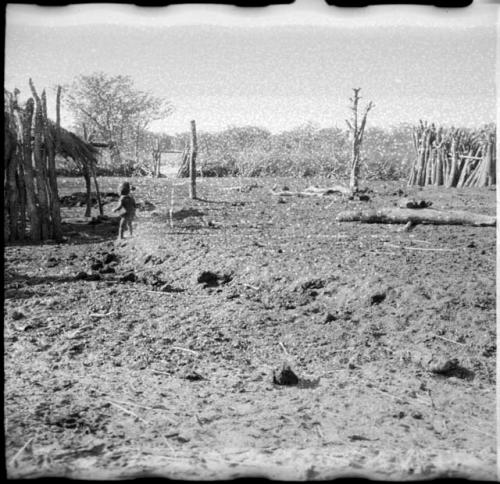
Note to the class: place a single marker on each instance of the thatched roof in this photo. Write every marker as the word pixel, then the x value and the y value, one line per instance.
pixel 72 146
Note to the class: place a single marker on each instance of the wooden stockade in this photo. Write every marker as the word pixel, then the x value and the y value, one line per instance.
pixel 32 208
pixel 453 157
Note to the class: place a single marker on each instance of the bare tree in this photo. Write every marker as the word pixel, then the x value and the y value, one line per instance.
pixel 357 130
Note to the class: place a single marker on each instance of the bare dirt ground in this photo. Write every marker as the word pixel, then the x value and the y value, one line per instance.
pixel 155 356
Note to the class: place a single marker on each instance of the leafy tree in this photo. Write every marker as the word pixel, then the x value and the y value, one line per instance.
pixel 113 110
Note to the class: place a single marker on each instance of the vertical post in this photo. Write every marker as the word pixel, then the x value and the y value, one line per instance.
pixel 40 164
pixel 192 160
pixel 52 146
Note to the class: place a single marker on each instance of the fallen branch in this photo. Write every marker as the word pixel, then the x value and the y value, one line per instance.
pixel 314 191
pixel 283 348
pixel 328 190
pixel 421 216
pixel 419 248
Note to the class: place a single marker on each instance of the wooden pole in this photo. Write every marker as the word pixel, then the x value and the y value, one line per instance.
pixel 40 164
pixel 52 142
pixel 192 160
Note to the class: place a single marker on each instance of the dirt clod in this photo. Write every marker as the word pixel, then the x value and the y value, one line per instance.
pixel 377 298
pixel 193 376
pixel 330 317
pixel 52 262
pixel 17 315
pixel 451 368
pixel 129 277
pixel 285 376
pixel 85 276
pixel 97 265
pixel 110 257
pixel 212 279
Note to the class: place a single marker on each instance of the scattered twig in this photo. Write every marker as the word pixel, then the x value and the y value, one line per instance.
pixel 161 372
pixel 387 394
pixel 419 248
pixel 378 252
pixel 21 450
pixel 423 241
pixel 251 287
pixel 238 188
pixel 169 445
pixel 127 411
pixel 147 408
pixel 319 431
pixel 343 349
pixel 145 290
pixel 283 348
pixel 449 340
pixel 186 350
pixel 101 315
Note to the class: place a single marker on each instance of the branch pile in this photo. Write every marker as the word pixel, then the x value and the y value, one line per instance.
pixel 453 157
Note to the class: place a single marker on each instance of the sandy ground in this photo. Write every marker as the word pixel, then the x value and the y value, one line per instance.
pixel 155 355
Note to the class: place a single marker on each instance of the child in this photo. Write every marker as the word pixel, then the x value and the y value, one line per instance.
pixel 127 203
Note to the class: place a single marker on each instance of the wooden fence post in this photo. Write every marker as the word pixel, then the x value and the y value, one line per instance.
pixel 192 160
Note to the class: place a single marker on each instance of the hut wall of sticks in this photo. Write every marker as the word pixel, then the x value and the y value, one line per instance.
pixel 31 199
pixel 453 157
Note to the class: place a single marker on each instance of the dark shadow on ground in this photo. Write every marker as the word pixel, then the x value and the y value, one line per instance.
pixel 87 232
pixel 308 384
pixel 186 213
pixel 79 232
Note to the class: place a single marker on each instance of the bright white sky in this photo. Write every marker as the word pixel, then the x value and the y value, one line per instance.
pixel 276 67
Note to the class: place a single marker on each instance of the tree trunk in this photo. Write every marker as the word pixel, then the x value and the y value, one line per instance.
pixel 417 216
pixel 192 160
pixel 55 206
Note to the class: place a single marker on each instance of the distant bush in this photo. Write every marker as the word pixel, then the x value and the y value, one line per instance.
pixel 302 152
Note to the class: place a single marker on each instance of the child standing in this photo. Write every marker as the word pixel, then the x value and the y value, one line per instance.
pixel 126 203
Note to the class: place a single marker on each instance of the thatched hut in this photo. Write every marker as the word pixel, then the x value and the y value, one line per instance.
pixel 30 186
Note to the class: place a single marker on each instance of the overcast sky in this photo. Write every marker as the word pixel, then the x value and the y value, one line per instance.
pixel 224 66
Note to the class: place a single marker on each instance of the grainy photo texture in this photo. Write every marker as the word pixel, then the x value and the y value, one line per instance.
pixel 250 242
